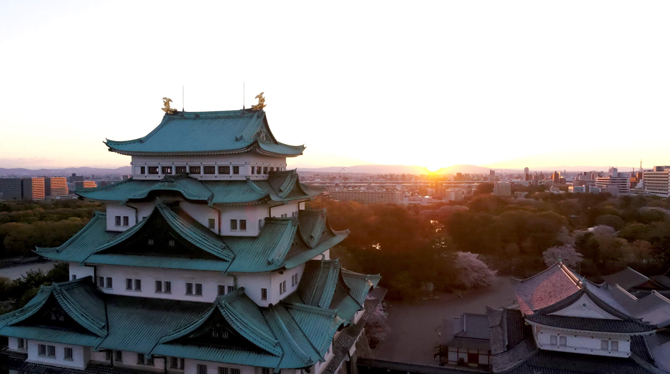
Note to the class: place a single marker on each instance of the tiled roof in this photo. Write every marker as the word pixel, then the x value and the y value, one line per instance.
pixel 222 132
pixel 627 278
pixel 590 324
pixel 286 335
pixel 546 288
pixel 276 247
pixel 281 186
pixel 550 362
pixel 360 284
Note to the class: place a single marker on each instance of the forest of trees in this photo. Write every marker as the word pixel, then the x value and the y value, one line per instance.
pixel 412 245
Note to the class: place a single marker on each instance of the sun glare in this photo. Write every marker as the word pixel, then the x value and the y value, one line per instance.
pixel 433 168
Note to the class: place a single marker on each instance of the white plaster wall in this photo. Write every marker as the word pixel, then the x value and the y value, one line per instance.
pixel 80 355
pixel 190 366
pixel 326 256
pixel 81 271
pixel 252 213
pixel 13 344
pixel 99 357
pixel 143 209
pixel 244 161
pixel 358 315
pixel 274 296
pixel 114 210
pixel 585 308
pixel 202 213
pixel 253 283
pixel 288 209
pixel 210 281
pixel 577 343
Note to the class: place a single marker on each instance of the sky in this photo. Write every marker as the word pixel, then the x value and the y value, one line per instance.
pixel 503 84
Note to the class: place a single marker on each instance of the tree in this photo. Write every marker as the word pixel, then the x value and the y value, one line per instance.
pixel 565 253
pixel 611 220
pixel 377 327
pixel 483 188
pixel 473 272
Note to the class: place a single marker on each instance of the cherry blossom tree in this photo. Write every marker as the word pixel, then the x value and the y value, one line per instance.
pixel 377 326
pixel 566 253
pixel 473 272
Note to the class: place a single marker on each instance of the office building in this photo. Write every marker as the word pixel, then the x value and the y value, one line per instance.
pixel 55 186
pixel 657 181
pixel 22 188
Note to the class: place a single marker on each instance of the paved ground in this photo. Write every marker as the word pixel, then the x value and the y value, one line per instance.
pixel 414 326
pixel 17 271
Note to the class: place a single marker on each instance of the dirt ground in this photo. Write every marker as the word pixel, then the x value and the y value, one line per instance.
pixel 415 326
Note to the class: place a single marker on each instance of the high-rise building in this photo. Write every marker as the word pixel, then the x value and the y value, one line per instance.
pixel 205 261
pixel 615 183
pixel 22 188
pixel 84 184
pixel 657 181
pixel 502 189
pixel 55 186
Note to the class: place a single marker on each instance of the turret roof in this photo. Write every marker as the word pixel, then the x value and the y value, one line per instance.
pixel 208 133
pixel 281 186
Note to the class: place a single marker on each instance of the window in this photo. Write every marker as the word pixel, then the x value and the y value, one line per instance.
pixel 189 288
pixel 153 169
pixel 236 169
pixel 265 170
pixel 150 361
pixel 604 345
pixel 260 224
pixel 125 221
pixel 108 282
pixel 253 169
pixel 140 358
pixel 233 224
pixel 231 289
pixel 41 350
pixel 67 354
pixel 243 225
pixel 176 363
pixel 51 350
pixel 129 284
pixel 224 169
pixel 294 279
pixel 221 290
pixel 167 287
pixel 108 355
pixel 219 334
pixel 265 371
pixel 159 286
pixel 117 221
pixel 166 169
pixel 284 285
pixel 201 369
pixel 194 169
pixel 101 282
pixel 258 169
pixel 150 242
pixel 198 289
pixel 210 169
pixel 264 293
pixel 22 343
pixel 211 223
pixel 281 289
pixel 563 340
pixel 171 242
pixel 234 371
pixel 118 356
pixel 74 277
pixel 614 345
pixel 141 169
pixel 223 370
pixel 180 169
pixel 138 285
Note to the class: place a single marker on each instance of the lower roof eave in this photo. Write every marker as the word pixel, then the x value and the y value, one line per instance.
pixel 650 332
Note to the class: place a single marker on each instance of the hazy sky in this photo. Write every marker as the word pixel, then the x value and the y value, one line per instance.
pixel 495 83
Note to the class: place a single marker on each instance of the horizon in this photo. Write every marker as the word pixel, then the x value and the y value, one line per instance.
pixel 494 94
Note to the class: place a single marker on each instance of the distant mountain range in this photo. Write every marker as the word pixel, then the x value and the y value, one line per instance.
pixel 360 169
pixel 124 170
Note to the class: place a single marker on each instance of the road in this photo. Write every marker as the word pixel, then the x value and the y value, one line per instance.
pixel 17 271
pixel 414 326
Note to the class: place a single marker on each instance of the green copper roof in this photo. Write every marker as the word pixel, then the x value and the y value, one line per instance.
pixel 318 282
pixel 281 186
pixel 360 284
pixel 276 247
pixel 199 133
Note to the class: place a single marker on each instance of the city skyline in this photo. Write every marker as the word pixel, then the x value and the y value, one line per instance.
pixel 503 86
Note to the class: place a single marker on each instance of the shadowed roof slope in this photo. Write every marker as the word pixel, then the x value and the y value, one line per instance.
pixel 207 133
pixel 546 288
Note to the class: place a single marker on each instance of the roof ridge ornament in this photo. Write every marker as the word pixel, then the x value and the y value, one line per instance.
pixel 166 106
pixel 261 103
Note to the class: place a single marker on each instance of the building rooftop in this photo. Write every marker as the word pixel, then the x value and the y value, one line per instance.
pixel 208 133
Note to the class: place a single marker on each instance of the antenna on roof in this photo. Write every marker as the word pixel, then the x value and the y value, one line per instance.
pixel 182 97
pixel 243 103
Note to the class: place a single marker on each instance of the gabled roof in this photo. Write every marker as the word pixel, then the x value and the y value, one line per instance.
pixel 360 284
pixel 281 186
pixel 546 288
pixel 630 278
pixel 79 299
pixel 208 133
